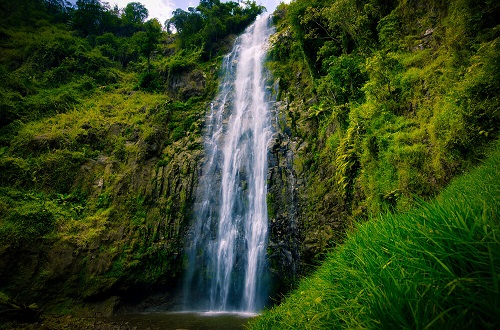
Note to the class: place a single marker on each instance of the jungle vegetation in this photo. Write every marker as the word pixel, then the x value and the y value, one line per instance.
pixel 101 110
pixel 394 109
pixel 389 102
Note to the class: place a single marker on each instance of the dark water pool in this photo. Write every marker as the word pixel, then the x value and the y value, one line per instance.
pixel 186 320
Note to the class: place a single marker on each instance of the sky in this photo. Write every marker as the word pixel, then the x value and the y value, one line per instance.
pixel 162 9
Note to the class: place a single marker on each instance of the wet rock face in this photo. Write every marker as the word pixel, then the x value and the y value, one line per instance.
pixel 283 202
pixel 303 220
pixel 129 234
pixel 141 243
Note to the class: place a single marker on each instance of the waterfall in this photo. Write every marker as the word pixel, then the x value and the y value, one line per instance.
pixel 226 249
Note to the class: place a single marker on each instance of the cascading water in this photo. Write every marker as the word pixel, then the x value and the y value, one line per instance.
pixel 227 268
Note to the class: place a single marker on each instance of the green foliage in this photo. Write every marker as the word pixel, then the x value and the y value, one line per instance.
pixel 26 224
pixel 92 17
pixel 20 13
pixel 210 22
pixel 182 61
pixel 183 120
pixel 49 74
pixel 150 81
pixel 15 171
pixel 389 31
pixel 103 201
pixel 148 40
pixel 391 98
pixel 344 79
pixel 98 156
pixel 434 267
pixel 135 13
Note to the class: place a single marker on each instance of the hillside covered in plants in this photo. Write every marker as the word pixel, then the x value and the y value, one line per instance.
pixel 380 105
pixel 101 111
pixel 383 104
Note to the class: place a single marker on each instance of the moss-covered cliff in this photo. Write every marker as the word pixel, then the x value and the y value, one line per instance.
pixel 100 148
pixel 95 201
pixel 382 103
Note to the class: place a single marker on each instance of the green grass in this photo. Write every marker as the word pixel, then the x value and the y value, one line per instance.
pixel 437 266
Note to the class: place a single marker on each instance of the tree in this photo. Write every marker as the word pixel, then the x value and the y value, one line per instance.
pixel 148 40
pixel 209 23
pixel 88 17
pixel 135 13
pixel 59 10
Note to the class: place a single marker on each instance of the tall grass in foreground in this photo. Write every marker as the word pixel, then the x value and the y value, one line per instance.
pixel 435 267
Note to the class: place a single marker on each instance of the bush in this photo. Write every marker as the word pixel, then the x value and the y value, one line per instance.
pixel 15 172
pixel 150 81
pixel 27 223
pixel 56 171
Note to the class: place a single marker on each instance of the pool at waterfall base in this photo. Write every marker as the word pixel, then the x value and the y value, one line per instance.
pixel 185 320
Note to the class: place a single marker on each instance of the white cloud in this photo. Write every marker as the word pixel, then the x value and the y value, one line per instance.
pixel 161 9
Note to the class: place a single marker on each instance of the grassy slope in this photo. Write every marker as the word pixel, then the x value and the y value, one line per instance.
pixel 436 266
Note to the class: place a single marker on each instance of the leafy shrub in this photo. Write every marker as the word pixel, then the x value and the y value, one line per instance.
pixel 56 171
pixel 343 80
pixel 150 81
pixel 9 106
pixel 27 223
pixel 14 171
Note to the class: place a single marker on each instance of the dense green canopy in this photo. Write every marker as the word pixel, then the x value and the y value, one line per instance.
pixel 211 21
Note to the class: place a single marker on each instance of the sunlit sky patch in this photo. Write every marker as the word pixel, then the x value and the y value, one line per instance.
pixel 162 9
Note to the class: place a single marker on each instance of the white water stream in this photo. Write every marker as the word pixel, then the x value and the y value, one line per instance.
pixel 227 268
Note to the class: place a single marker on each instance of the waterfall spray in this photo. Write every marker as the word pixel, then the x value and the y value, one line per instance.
pixel 227 268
